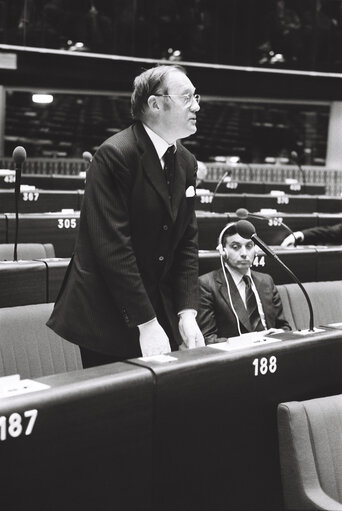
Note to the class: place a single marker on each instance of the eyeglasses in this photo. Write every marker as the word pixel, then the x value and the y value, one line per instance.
pixel 187 98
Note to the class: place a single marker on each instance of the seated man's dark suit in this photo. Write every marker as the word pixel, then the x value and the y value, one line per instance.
pixel 323 234
pixel 216 318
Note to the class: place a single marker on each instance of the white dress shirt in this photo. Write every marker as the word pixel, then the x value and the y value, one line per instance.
pixel 241 286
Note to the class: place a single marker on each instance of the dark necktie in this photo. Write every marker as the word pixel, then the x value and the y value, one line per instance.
pixel 169 168
pixel 251 306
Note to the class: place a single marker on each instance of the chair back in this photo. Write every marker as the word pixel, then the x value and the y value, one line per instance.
pixel 310 447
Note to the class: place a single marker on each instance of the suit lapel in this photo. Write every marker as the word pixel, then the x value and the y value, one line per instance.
pixel 260 286
pixel 151 166
pixel 236 298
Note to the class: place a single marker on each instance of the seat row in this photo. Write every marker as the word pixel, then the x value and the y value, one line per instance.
pixel 60 228
pixel 35 200
pixel 171 432
pixel 35 281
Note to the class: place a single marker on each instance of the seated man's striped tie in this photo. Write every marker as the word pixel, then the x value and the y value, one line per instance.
pixel 251 306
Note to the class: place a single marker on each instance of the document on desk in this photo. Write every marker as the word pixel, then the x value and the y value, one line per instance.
pixel 247 340
pixel 12 385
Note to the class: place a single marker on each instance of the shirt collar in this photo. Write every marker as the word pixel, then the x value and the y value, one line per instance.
pixel 159 143
pixel 237 276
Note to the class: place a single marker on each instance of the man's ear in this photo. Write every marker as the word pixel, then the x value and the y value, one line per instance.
pixel 153 103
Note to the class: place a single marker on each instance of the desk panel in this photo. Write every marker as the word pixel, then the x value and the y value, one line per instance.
pixel 301 260
pixel 56 268
pixel 216 421
pixel 283 203
pixel 329 262
pixel 22 283
pixel 90 446
pixel 38 201
pixel 270 229
pixel 329 218
pixel 329 204
pixel 44 181
pixel 221 203
pixel 236 186
pixel 60 229
pixel 3 229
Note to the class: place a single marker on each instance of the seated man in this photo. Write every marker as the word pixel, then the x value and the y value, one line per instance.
pixel 234 299
pixel 324 234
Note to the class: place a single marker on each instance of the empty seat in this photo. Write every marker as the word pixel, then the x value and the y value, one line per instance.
pixel 26 251
pixel 29 348
pixel 310 445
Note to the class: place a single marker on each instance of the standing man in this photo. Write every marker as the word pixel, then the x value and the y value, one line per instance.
pixel 234 299
pixel 131 288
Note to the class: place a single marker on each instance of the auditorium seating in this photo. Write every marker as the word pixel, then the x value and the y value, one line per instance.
pixel 255 202
pixel 126 417
pixel 237 186
pixel 44 181
pixel 310 453
pixel 40 201
pixel 58 228
pixel 29 347
pixel 26 251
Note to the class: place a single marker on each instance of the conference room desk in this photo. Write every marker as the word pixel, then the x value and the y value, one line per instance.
pixel 329 218
pixel 55 271
pixel 39 201
pixel 195 430
pixel 234 186
pixel 22 283
pixel 269 229
pixel 308 263
pixel 216 437
pixel 3 229
pixel 255 202
pixel 58 228
pixel 43 181
pixel 90 444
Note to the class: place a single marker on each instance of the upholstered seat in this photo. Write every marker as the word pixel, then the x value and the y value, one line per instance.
pixel 28 347
pixel 26 251
pixel 326 299
pixel 310 445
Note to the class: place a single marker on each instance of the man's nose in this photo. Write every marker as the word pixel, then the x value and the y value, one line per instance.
pixel 243 252
pixel 194 107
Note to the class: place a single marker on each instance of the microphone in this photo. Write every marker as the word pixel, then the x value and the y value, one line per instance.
pixel 295 159
pixel 19 156
pixel 243 214
pixel 217 187
pixel 247 231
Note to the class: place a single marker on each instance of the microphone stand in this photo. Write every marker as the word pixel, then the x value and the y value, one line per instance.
pixel 247 230
pixel 217 187
pixel 19 156
pixel 295 159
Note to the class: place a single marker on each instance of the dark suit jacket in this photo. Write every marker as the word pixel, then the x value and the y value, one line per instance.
pixel 136 256
pixel 216 318
pixel 323 234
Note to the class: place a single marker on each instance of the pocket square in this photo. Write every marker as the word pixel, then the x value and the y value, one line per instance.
pixel 190 191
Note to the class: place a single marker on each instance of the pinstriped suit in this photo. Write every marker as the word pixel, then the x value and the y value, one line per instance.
pixel 136 255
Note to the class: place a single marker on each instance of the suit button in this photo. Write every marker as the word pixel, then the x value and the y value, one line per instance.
pixel 165 227
pixel 161 258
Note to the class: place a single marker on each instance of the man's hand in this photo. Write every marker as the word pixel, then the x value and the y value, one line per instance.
pixel 291 239
pixel 189 330
pixel 153 339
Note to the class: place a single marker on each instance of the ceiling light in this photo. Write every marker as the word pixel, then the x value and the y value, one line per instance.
pixel 42 98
